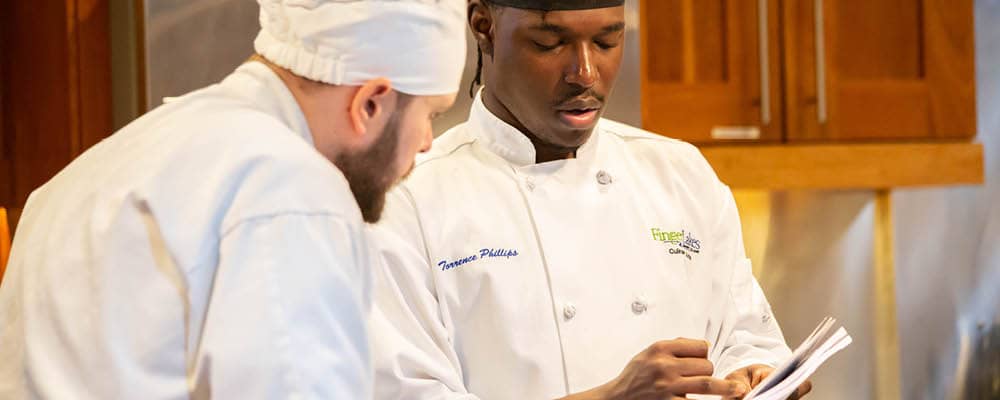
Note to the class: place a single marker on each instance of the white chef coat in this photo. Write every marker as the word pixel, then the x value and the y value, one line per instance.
pixel 205 250
pixel 508 279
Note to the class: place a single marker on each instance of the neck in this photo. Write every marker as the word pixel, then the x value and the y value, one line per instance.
pixel 544 151
pixel 313 100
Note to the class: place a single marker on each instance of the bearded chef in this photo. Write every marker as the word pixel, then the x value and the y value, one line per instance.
pixel 539 251
pixel 215 247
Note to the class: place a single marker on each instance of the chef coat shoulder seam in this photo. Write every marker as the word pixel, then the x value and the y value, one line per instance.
pixel 629 134
pixel 671 143
pixel 684 151
pixel 445 154
pixel 269 216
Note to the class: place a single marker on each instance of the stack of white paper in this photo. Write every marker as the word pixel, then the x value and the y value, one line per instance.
pixel 826 340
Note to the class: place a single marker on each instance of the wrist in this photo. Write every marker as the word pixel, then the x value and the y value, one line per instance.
pixel 603 392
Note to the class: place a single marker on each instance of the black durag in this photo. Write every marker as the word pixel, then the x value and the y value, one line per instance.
pixel 556 5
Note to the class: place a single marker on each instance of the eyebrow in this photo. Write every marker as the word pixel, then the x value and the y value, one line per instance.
pixel 618 27
pixel 547 27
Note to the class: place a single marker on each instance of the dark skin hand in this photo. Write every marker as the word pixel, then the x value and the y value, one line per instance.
pixel 668 369
pixel 754 374
pixel 548 73
pixel 672 369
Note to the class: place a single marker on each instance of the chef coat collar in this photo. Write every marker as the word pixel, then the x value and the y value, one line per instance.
pixel 260 86
pixel 507 141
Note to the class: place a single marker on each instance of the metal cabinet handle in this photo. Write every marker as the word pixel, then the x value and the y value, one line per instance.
pixel 820 63
pixel 765 63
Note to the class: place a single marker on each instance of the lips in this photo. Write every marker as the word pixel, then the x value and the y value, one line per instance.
pixel 578 119
pixel 579 113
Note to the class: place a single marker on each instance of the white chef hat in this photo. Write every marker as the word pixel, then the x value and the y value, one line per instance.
pixel 419 45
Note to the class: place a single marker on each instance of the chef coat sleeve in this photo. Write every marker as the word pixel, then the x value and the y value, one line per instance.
pixel 288 312
pixel 749 333
pixel 413 353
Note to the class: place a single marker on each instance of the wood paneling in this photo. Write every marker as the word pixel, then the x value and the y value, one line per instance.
pixel 36 84
pixel 6 174
pixel 877 39
pixel 846 166
pixel 56 91
pixel 701 68
pixel 800 48
pixel 94 65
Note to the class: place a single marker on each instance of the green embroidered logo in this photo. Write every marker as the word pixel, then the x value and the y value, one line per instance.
pixel 678 242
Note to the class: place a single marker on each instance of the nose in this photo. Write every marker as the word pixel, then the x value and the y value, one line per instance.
pixel 428 138
pixel 582 71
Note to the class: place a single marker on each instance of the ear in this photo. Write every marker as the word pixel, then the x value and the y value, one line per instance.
pixel 481 22
pixel 372 101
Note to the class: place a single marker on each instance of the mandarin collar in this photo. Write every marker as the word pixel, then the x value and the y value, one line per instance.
pixel 511 144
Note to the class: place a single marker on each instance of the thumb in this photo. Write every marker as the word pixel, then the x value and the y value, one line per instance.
pixel 742 375
pixel 759 374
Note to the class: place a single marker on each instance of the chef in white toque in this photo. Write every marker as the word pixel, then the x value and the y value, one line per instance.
pixel 215 247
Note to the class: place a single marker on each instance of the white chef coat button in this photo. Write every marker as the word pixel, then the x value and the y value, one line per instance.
pixel 603 177
pixel 638 307
pixel 530 184
pixel 569 311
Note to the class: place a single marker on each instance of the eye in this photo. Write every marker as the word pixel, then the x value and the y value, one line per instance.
pixel 546 47
pixel 605 45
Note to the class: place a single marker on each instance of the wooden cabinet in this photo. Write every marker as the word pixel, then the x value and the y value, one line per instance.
pixel 55 89
pixel 6 189
pixel 702 69
pixel 808 70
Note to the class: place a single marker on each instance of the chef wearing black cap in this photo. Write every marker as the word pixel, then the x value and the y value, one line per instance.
pixel 540 251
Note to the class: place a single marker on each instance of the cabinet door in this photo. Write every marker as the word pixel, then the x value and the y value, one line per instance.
pixel 55 89
pixel 703 77
pixel 888 69
pixel 6 175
